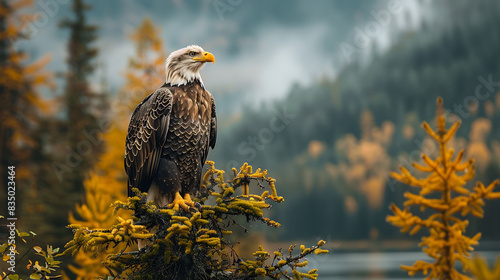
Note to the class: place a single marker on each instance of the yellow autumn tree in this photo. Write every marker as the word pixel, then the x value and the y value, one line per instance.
pixel 21 112
pixel 107 182
pixel 445 194
pixel 104 185
pixel 146 68
pixel 19 89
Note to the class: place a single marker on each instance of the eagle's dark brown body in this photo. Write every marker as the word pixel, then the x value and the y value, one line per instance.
pixel 168 139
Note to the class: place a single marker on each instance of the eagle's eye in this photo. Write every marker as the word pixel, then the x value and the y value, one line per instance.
pixel 192 53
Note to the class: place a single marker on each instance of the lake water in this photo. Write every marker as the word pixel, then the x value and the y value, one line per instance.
pixel 372 265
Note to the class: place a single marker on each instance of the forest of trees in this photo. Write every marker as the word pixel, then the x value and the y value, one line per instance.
pixel 338 142
pixel 53 151
pixel 348 133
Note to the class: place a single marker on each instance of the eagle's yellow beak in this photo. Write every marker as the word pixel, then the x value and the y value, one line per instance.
pixel 207 57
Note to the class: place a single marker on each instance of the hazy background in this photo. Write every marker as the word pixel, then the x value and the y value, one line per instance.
pixel 327 95
pixel 262 47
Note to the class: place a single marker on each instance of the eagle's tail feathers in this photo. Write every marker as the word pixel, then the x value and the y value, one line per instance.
pixel 159 199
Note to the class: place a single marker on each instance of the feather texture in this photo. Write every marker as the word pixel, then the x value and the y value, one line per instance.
pixel 168 139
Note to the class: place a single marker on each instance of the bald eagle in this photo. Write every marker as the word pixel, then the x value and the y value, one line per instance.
pixel 171 131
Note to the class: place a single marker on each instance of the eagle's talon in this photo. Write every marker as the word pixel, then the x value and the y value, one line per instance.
pixel 185 203
pixel 198 206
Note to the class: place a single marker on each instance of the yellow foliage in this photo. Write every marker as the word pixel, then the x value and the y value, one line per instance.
pixel 37 270
pixel 477 147
pixel 275 270
pixel 374 188
pixel 104 186
pixel 479 268
pixel 185 236
pixel 146 68
pixel 447 177
pixel 365 162
pixel 20 83
pixel 315 149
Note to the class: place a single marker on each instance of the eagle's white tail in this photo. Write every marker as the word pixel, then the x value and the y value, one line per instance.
pixel 159 200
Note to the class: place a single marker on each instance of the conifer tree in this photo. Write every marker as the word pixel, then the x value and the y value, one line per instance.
pixel 80 131
pixel 21 108
pixel 195 244
pixel 445 194
pixel 145 71
pixel 79 98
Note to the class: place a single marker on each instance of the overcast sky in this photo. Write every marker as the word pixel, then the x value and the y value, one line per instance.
pixel 261 47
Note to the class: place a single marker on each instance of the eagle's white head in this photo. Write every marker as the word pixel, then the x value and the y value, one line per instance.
pixel 183 66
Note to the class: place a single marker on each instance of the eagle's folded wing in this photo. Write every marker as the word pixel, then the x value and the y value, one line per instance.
pixel 147 133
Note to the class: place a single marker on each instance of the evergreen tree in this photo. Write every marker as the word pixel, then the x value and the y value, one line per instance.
pixel 21 109
pixel 76 139
pixel 79 99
